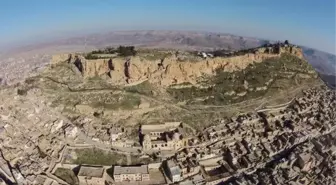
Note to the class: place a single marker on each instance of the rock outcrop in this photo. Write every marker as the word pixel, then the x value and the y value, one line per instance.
pixel 174 72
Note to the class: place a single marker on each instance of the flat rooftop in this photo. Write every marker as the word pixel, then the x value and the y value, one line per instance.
pixel 143 169
pixel 91 171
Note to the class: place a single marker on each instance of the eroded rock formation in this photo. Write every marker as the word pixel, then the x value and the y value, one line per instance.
pixel 173 71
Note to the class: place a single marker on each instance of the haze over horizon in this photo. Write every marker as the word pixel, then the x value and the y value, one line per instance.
pixel 309 23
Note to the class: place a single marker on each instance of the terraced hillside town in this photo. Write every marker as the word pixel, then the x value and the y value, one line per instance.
pixel 157 116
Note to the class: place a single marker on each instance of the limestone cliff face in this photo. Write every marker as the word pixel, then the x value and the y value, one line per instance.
pixel 174 72
pixel 95 68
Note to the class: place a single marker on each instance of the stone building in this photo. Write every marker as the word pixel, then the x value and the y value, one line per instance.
pixel 155 130
pixel 91 175
pixel 131 173
pixel 168 136
pixel 169 142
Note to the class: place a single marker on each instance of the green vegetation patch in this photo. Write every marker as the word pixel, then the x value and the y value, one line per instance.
pixel 123 51
pixel 97 99
pixel 123 102
pixel 94 83
pixel 144 88
pixel 181 84
pixel 94 156
pixel 277 74
pixel 67 175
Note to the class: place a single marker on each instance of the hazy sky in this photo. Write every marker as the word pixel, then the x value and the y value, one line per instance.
pixel 306 22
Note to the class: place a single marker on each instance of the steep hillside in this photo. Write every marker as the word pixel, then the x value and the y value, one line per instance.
pixel 185 85
pixel 176 68
pixel 266 78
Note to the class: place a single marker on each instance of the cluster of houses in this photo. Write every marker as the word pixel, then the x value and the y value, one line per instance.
pixel 95 175
pixel 297 127
pixel 295 139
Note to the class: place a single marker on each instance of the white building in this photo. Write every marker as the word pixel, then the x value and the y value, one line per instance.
pixel 131 173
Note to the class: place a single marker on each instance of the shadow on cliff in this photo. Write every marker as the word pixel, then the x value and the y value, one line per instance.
pixel 126 70
pixel 78 64
pixel 111 68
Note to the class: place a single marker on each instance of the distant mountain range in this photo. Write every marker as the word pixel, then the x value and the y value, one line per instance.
pixel 330 80
pixel 323 62
pixel 186 40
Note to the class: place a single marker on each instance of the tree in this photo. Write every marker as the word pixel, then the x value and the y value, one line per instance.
pixel 109 50
pixel 265 43
pixel 126 51
pixel 286 42
pixel 91 57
